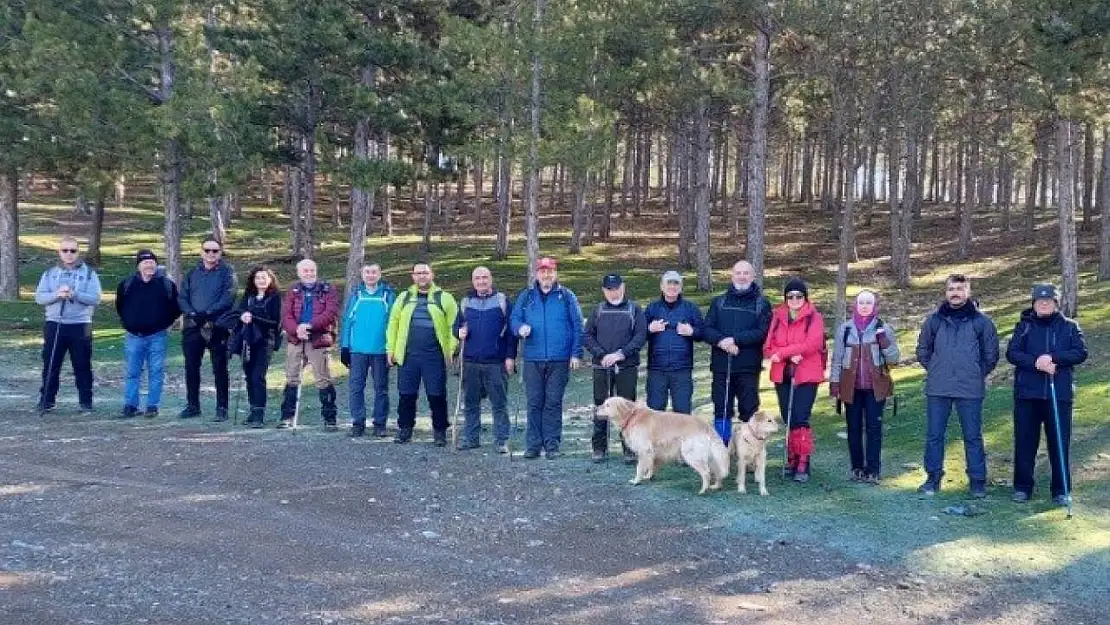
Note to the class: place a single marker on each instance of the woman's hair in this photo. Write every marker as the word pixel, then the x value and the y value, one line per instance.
pixel 253 290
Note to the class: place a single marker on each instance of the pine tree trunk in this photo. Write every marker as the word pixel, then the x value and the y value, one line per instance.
pixel 216 218
pixel 807 167
pixel 1069 260
pixel 701 198
pixel 590 208
pixel 9 234
pixel 610 175
pixel 1088 174
pixel 336 202
pixel 362 198
pixel 268 185
pixel 426 230
pixel 578 211
pixel 1031 192
pixel 531 207
pixel 899 241
pixel 96 235
pixel 965 191
pixel 685 196
pixel 757 174
pixel 386 190
pixel 479 173
pixel 1104 207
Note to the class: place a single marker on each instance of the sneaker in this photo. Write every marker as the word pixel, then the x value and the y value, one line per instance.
pixel 189 412
pixel 439 439
pixel 285 424
pixel 331 426
pixel 44 407
pixel 221 415
pixel 931 484
pixel 85 407
pixel 379 431
pixel 465 445
pixel 552 455
pixel 801 477
pixel 856 475
pixel 404 435
pixel 598 456
pixel 357 431
pixel 871 478
pixel 532 454
pixel 1061 500
pixel 502 448
pixel 257 425
pixel 978 489
pixel 151 412
pixel 1020 496
pixel 128 412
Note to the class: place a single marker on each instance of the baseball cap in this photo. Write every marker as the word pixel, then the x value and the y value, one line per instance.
pixel 145 255
pixel 1045 291
pixel 612 281
pixel 546 262
pixel 672 276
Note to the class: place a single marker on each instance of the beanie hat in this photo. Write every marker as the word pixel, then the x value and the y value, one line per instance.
pixel 145 255
pixel 796 285
pixel 1045 291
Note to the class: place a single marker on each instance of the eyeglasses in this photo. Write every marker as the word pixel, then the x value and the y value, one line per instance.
pixel 210 250
pixel 794 296
pixel 68 250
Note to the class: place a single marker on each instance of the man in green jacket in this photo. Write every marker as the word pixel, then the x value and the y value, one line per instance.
pixel 420 343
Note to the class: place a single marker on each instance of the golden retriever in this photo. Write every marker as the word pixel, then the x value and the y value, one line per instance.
pixel 749 443
pixel 659 437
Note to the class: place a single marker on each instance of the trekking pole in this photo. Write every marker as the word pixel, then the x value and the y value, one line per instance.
pixel 1060 444
pixel 50 366
pixel 243 354
pixel 789 418
pixel 458 398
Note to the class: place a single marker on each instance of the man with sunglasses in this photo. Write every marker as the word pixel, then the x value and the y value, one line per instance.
pixel 70 292
pixel 207 294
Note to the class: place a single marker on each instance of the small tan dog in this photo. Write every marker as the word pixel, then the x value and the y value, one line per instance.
pixel 658 437
pixel 749 444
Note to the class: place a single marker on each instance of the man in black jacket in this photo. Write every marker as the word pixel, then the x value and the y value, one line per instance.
pixel 736 326
pixel 1044 348
pixel 958 347
pixel 146 303
pixel 615 333
pixel 207 295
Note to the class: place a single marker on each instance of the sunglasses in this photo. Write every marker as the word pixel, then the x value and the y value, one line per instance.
pixel 795 297
pixel 68 250
pixel 210 250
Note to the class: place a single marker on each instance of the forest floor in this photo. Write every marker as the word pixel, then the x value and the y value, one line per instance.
pixel 163 521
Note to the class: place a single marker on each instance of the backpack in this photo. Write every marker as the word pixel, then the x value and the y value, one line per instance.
pixel 824 342
pixel 437 299
pixel 502 303
pixel 166 284
pixel 562 295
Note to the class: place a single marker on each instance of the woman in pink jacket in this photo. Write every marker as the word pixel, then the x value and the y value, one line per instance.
pixel 796 348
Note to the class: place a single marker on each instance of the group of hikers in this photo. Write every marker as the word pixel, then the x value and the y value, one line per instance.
pixel 421 331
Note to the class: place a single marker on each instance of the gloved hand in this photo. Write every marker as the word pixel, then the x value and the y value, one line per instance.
pixel 834 389
pixel 883 338
pixel 345 357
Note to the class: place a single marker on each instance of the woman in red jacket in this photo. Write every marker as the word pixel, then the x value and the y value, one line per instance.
pixel 796 348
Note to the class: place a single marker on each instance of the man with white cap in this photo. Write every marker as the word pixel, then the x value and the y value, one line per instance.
pixel 674 324
pixel 1044 348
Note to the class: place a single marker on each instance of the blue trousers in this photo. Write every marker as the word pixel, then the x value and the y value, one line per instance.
pixel 679 385
pixel 479 377
pixel 364 366
pixel 148 351
pixel 970 412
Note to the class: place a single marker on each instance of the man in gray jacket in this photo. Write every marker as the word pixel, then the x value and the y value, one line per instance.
pixel 207 294
pixel 958 347
pixel 70 292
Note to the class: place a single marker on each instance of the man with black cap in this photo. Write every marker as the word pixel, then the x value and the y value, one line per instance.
pixel 207 295
pixel 146 303
pixel 615 333
pixel 1044 348
pixel 958 347
pixel 674 324
pixel 736 326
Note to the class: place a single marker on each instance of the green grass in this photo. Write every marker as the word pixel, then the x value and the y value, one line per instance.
pixel 890 523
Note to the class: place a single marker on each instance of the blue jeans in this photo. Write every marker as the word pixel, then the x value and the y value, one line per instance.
pixel 678 384
pixel 374 365
pixel 491 378
pixel 865 413
pixel 970 412
pixel 545 382
pixel 140 351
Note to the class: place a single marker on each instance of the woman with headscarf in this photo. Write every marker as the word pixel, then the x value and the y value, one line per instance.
pixel 796 347
pixel 864 348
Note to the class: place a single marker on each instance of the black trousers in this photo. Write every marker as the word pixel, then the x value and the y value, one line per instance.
pixel 743 395
pixel 1030 416
pixel 255 372
pixel 193 345
pixel 74 339
pixel 609 384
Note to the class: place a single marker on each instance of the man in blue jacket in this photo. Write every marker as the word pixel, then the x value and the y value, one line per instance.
pixel 1044 348
pixel 69 291
pixel 547 316
pixel 674 324
pixel 958 347
pixel 362 348
pixel 489 356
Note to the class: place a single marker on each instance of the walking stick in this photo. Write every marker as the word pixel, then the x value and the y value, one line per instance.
pixel 50 366
pixel 458 397
pixel 789 418
pixel 1060 444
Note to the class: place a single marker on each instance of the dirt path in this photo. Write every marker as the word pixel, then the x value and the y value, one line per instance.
pixel 149 522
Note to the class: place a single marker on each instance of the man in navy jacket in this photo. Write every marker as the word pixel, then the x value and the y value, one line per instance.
pixel 1044 348
pixel 674 324
pixel 489 358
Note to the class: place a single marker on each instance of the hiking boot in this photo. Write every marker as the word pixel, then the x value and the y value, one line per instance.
pixel 1020 496
pixel 85 406
pixel 404 435
pixel 801 477
pixel 257 417
pixel 871 478
pixel 931 484
pixel 331 426
pixel 44 407
pixel 532 454
pixel 801 474
pixel 439 438
pixel 328 409
pixel 502 448
pixel 379 431
pixel 285 424
pixel 598 456
pixel 1061 500
pixel 978 489
pixel 552 455
pixel 221 415
pixel 151 412
pixel 856 475
pixel 128 412
pixel 357 431
pixel 465 445
pixel 189 412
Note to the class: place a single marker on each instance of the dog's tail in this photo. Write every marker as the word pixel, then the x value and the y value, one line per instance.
pixel 718 457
